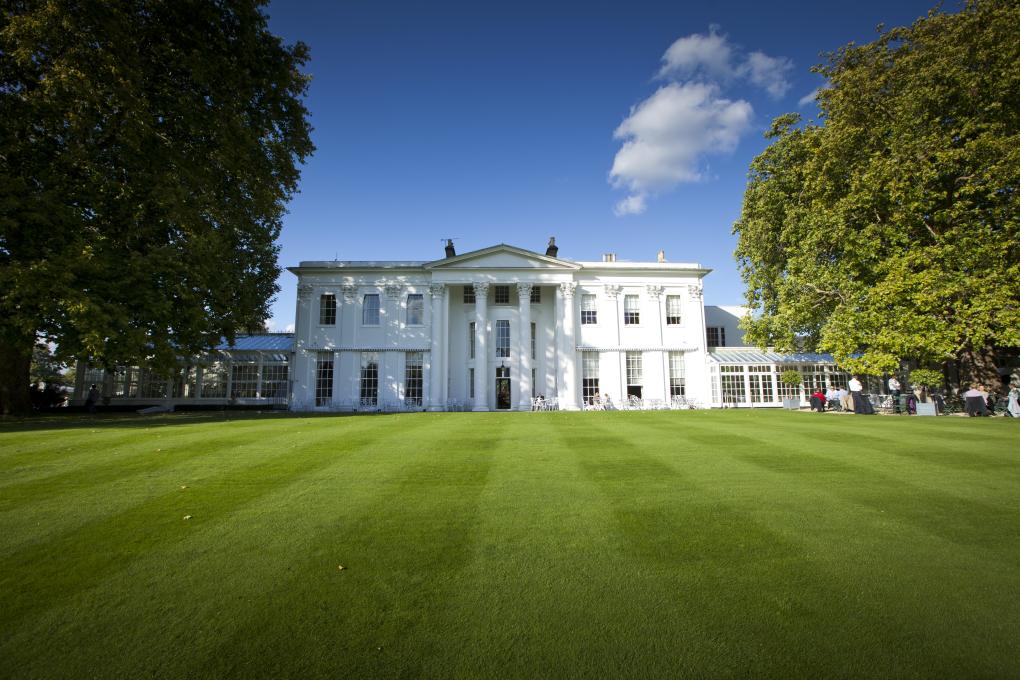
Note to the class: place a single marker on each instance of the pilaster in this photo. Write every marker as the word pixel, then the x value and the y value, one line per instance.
pixel 481 348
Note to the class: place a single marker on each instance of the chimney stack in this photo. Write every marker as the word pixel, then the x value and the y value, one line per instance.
pixel 661 257
pixel 551 249
pixel 450 252
pixel 609 257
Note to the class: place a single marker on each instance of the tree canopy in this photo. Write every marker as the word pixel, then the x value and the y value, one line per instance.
pixel 147 150
pixel 888 229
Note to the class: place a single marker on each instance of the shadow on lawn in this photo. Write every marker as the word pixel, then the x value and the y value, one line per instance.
pixel 72 421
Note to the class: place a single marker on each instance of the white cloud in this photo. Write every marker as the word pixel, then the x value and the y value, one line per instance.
pixel 632 205
pixel 698 54
pixel 289 328
pixel 768 73
pixel 666 135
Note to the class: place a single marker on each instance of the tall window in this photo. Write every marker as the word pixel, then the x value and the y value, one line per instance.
pixel 469 295
pixel 370 310
pixel 415 310
pixel 413 379
pixel 214 380
pixel 369 391
pixel 589 312
pixel 536 295
pixel 631 310
pixel 590 377
pixel 673 309
pixel 471 383
pixel 732 384
pixel 324 378
pixel 502 338
pixel 760 382
pixel 327 309
pixel 634 377
pixel 471 340
pixel 274 381
pixel 501 295
pixel 677 381
pixel 716 336
pixel 244 380
pixel 534 333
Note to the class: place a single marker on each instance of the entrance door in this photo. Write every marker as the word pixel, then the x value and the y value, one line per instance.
pixel 502 388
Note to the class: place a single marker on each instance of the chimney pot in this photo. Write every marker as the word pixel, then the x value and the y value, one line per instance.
pixel 551 249
pixel 661 257
pixel 609 257
pixel 450 252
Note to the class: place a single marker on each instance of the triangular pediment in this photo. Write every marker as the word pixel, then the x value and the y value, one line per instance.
pixel 501 256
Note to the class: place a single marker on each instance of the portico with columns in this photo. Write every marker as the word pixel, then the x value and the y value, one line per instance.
pixel 491 330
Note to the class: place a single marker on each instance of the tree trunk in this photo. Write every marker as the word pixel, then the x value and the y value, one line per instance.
pixel 15 363
pixel 979 368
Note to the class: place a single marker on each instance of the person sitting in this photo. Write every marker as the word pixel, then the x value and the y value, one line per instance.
pixel 818 400
pixel 832 398
pixel 974 399
pixel 844 400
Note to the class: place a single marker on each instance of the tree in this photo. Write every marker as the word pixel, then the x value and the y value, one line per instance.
pixel 888 229
pixel 147 150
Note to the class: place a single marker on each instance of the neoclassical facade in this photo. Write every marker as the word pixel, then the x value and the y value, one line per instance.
pixel 494 329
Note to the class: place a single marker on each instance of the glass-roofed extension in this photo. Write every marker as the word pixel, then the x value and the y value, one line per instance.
pixel 745 376
pixel 254 371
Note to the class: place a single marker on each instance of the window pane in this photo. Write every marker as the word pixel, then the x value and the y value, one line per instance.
pixel 274 381
pixel 415 310
pixel 244 380
pixel 631 310
pixel 369 390
pixel 324 379
pixel 501 295
pixel 502 338
pixel 327 309
pixel 471 340
pixel 589 311
pixel 673 307
pixel 469 294
pixel 677 381
pixel 413 378
pixel 536 294
pixel 590 377
pixel 370 311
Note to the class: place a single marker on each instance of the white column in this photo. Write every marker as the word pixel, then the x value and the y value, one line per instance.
pixel 524 386
pixel 660 376
pixel 567 395
pixel 481 350
pixel 436 378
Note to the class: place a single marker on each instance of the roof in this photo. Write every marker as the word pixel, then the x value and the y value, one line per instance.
pixel 263 342
pixel 754 355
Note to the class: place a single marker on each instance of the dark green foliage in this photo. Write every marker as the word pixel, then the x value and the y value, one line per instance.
pixel 147 150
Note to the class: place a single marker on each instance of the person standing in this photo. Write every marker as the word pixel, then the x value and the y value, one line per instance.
pixel 862 406
pixel 894 390
pixel 92 399
pixel 1013 408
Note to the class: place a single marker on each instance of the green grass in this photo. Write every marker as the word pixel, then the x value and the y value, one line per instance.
pixel 669 544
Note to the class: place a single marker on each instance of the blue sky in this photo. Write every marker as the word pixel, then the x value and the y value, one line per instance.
pixel 616 127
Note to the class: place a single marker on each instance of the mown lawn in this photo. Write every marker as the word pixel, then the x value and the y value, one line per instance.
pixel 669 544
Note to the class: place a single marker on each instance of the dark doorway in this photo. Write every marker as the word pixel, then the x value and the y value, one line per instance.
pixel 502 388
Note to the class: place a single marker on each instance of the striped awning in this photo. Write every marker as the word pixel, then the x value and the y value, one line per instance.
pixel 753 355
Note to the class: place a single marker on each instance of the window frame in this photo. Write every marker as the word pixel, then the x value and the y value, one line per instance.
pixel 327 315
pixel 632 317
pixel 419 304
pixel 589 317
pixel 674 319
pixel 365 308
pixel 498 293
pixel 501 338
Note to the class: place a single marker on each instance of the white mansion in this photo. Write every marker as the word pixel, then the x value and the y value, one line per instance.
pixel 500 328
pixel 505 328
